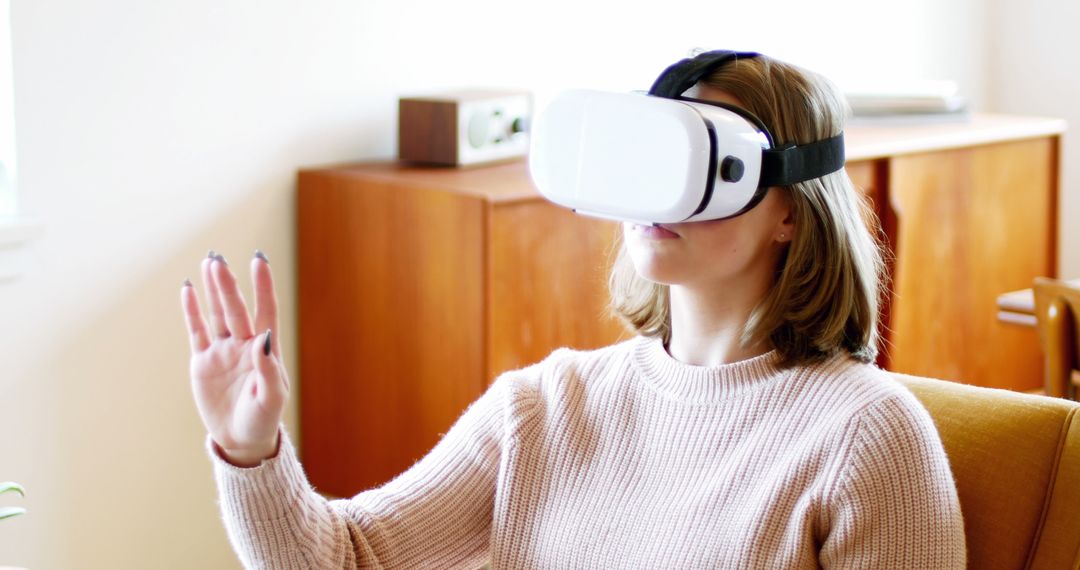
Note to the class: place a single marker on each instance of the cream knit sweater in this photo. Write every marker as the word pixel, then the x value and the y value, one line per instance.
pixel 624 457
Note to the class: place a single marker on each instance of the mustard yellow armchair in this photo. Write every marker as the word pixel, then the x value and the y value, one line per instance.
pixel 1016 460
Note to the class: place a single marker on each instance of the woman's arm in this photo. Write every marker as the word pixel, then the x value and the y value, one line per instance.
pixel 895 503
pixel 437 514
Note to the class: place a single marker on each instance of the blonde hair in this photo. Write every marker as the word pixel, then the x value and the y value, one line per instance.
pixel 829 279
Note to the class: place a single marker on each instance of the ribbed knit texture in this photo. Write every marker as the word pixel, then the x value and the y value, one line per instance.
pixel 624 457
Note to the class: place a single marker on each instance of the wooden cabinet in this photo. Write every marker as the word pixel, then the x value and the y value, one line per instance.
pixel 419 285
pixel 973 223
pixel 970 212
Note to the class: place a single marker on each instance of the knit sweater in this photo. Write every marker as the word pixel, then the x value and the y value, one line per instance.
pixel 624 457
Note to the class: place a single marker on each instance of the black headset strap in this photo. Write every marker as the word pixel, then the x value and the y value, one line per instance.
pixel 786 166
pixel 779 167
pixel 685 73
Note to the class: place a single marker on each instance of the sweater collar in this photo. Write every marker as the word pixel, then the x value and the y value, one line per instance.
pixel 702 384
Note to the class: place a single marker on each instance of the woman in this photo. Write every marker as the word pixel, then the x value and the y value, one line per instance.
pixel 745 425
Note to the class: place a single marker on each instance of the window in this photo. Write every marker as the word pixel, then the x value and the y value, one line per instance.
pixel 16 229
pixel 7 117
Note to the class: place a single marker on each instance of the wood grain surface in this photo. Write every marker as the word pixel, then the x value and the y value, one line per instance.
pixel 972 224
pixel 391 299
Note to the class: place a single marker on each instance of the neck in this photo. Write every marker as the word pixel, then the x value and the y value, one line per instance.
pixel 706 328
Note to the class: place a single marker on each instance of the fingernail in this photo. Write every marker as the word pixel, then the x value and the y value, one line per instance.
pixel 261 256
pixel 187 282
pixel 211 254
pixel 221 258
pixel 266 347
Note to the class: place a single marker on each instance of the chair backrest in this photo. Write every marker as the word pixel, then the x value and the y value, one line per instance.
pixel 1016 461
pixel 1057 305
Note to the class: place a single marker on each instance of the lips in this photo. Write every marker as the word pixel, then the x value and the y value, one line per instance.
pixel 658 231
pixel 668 228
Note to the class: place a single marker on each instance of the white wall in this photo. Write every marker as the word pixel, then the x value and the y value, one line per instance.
pixel 1032 47
pixel 150 132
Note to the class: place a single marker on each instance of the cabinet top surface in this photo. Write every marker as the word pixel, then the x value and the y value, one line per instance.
pixel 869 138
pixel 865 140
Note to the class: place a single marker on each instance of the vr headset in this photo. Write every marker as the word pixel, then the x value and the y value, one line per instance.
pixel 660 157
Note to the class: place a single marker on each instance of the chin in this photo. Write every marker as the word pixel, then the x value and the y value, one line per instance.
pixel 662 271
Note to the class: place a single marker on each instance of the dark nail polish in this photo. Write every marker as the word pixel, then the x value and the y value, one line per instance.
pixel 266 347
pixel 221 258
pixel 261 256
pixel 187 282
pixel 211 254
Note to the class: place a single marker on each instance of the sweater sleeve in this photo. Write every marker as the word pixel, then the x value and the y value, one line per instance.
pixel 895 503
pixel 436 514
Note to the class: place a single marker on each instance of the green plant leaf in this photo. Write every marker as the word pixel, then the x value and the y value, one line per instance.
pixel 8 512
pixel 12 486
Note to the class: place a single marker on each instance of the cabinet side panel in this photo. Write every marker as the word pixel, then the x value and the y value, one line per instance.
pixel 548 270
pixel 862 176
pixel 870 178
pixel 972 224
pixel 390 324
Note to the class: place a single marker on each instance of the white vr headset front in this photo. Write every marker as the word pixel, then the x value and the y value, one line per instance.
pixel 660 157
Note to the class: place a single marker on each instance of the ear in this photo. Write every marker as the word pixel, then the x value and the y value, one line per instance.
pixel 785 226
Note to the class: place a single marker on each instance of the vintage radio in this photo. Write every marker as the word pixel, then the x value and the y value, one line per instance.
pixel 464 127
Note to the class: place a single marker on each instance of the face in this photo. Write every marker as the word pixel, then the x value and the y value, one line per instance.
pixel 714 253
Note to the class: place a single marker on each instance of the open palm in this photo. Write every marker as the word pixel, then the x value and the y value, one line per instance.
pixel 239 383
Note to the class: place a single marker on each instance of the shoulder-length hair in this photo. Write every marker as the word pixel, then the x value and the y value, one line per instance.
pixel 829 279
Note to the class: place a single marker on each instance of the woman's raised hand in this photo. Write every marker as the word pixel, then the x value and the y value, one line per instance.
pixel 237 376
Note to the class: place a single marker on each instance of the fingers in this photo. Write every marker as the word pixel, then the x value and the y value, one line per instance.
pixel 213 299
pixel 197 333
pixel 266 314
pixel 273 388
pixel 236 314
pixel 227 309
